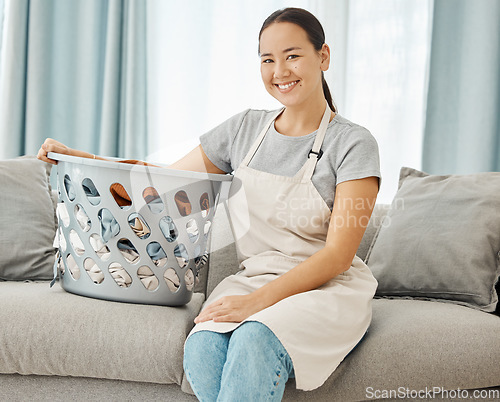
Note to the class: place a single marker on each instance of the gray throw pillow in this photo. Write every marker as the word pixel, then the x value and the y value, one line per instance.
pixel 28 220
pixel 441 240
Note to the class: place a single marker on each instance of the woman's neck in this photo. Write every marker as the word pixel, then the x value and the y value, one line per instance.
pixel 296 121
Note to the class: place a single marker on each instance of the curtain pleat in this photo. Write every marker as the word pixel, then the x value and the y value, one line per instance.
pixel 14 82
pixel 75 74
pixel 462 131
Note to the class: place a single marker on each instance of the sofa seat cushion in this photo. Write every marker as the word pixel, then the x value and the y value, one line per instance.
pixel 416 344
pixel 48 331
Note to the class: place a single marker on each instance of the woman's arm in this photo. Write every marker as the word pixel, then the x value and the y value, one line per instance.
pixel 51 145
pixel 354 203
pixel 196 160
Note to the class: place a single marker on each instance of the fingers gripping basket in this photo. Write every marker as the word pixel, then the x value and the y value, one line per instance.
pixel 133 233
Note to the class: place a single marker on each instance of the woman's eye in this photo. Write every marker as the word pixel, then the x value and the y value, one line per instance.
pixel 267 61
pixel 292 56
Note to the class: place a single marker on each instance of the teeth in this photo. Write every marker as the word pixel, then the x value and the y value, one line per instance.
pixel 287 85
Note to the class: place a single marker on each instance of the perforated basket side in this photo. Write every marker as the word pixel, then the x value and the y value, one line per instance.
pixel 183 246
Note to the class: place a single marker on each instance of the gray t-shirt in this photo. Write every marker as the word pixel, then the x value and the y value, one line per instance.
pixel 350 151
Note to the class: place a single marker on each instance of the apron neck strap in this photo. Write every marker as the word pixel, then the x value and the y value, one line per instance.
pixel 316 152
pixel 320 136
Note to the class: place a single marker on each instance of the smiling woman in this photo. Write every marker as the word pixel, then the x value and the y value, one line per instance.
pixel 289 311
pixel 292 72
pixel 293 52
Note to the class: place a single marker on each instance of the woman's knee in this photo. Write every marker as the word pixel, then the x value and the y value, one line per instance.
pixel 257 342
pixel 254 333
pixel 257 364
pixel 203 344
pixel 193 343
pixel 204 357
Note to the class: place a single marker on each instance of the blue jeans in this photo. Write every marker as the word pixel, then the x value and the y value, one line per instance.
pixel 248 364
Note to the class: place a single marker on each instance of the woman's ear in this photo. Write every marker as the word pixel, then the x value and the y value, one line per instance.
pixel 325 57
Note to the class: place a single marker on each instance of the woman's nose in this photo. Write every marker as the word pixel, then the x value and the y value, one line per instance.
pixel 281 70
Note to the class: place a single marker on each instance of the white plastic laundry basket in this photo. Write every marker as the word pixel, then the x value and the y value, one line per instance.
pixel 133 233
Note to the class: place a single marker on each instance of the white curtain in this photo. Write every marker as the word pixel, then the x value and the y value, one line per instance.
pixel 203 68
pixel 386 74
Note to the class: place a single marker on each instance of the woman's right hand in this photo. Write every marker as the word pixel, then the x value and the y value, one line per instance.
pixel 51 145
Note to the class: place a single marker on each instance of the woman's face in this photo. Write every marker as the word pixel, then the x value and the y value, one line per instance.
pixel 290 66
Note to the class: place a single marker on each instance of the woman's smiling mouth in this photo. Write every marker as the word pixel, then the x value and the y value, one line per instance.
pixel 286 87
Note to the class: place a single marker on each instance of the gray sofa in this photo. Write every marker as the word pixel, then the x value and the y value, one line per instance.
pixel 58 346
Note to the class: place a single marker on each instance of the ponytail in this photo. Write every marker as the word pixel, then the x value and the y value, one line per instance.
pixel 328 95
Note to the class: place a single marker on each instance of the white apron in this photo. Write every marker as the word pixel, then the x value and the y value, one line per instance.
pixel 278 222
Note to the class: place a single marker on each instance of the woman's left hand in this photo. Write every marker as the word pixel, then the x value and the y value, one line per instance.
pixel 229 309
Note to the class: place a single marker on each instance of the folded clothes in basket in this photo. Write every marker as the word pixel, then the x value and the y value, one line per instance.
pixel 120 195
pixel 182 201
pixel 88 188
pixel 118 192
pixel 139 227
pixel 109 226
pixel 149 194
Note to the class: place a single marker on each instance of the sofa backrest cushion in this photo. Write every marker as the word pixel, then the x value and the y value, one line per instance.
pixel 28 220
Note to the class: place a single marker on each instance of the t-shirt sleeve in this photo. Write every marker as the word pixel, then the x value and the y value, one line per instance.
pixel 358 155
pixel 218 142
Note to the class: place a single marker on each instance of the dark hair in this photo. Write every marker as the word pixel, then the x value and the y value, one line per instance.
pixel 309 23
